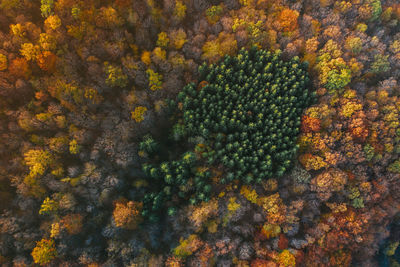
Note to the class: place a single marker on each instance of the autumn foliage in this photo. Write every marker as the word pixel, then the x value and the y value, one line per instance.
pixel 186 133
pixel 288 19
pixel 126 214
pixel 20 68
pixel 47 61
pixel 310 124
pixel 44 252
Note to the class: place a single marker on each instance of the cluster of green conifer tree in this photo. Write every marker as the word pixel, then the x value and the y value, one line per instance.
pixel 248 110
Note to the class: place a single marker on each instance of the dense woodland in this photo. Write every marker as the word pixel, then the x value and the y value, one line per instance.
pixel 199 133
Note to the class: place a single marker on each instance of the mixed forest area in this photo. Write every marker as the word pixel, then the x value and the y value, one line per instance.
pixel 251 133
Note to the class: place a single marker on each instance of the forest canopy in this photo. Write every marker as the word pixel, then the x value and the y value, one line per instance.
pixel 199 133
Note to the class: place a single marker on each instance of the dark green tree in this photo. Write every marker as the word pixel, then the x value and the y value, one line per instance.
pixel 247 110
